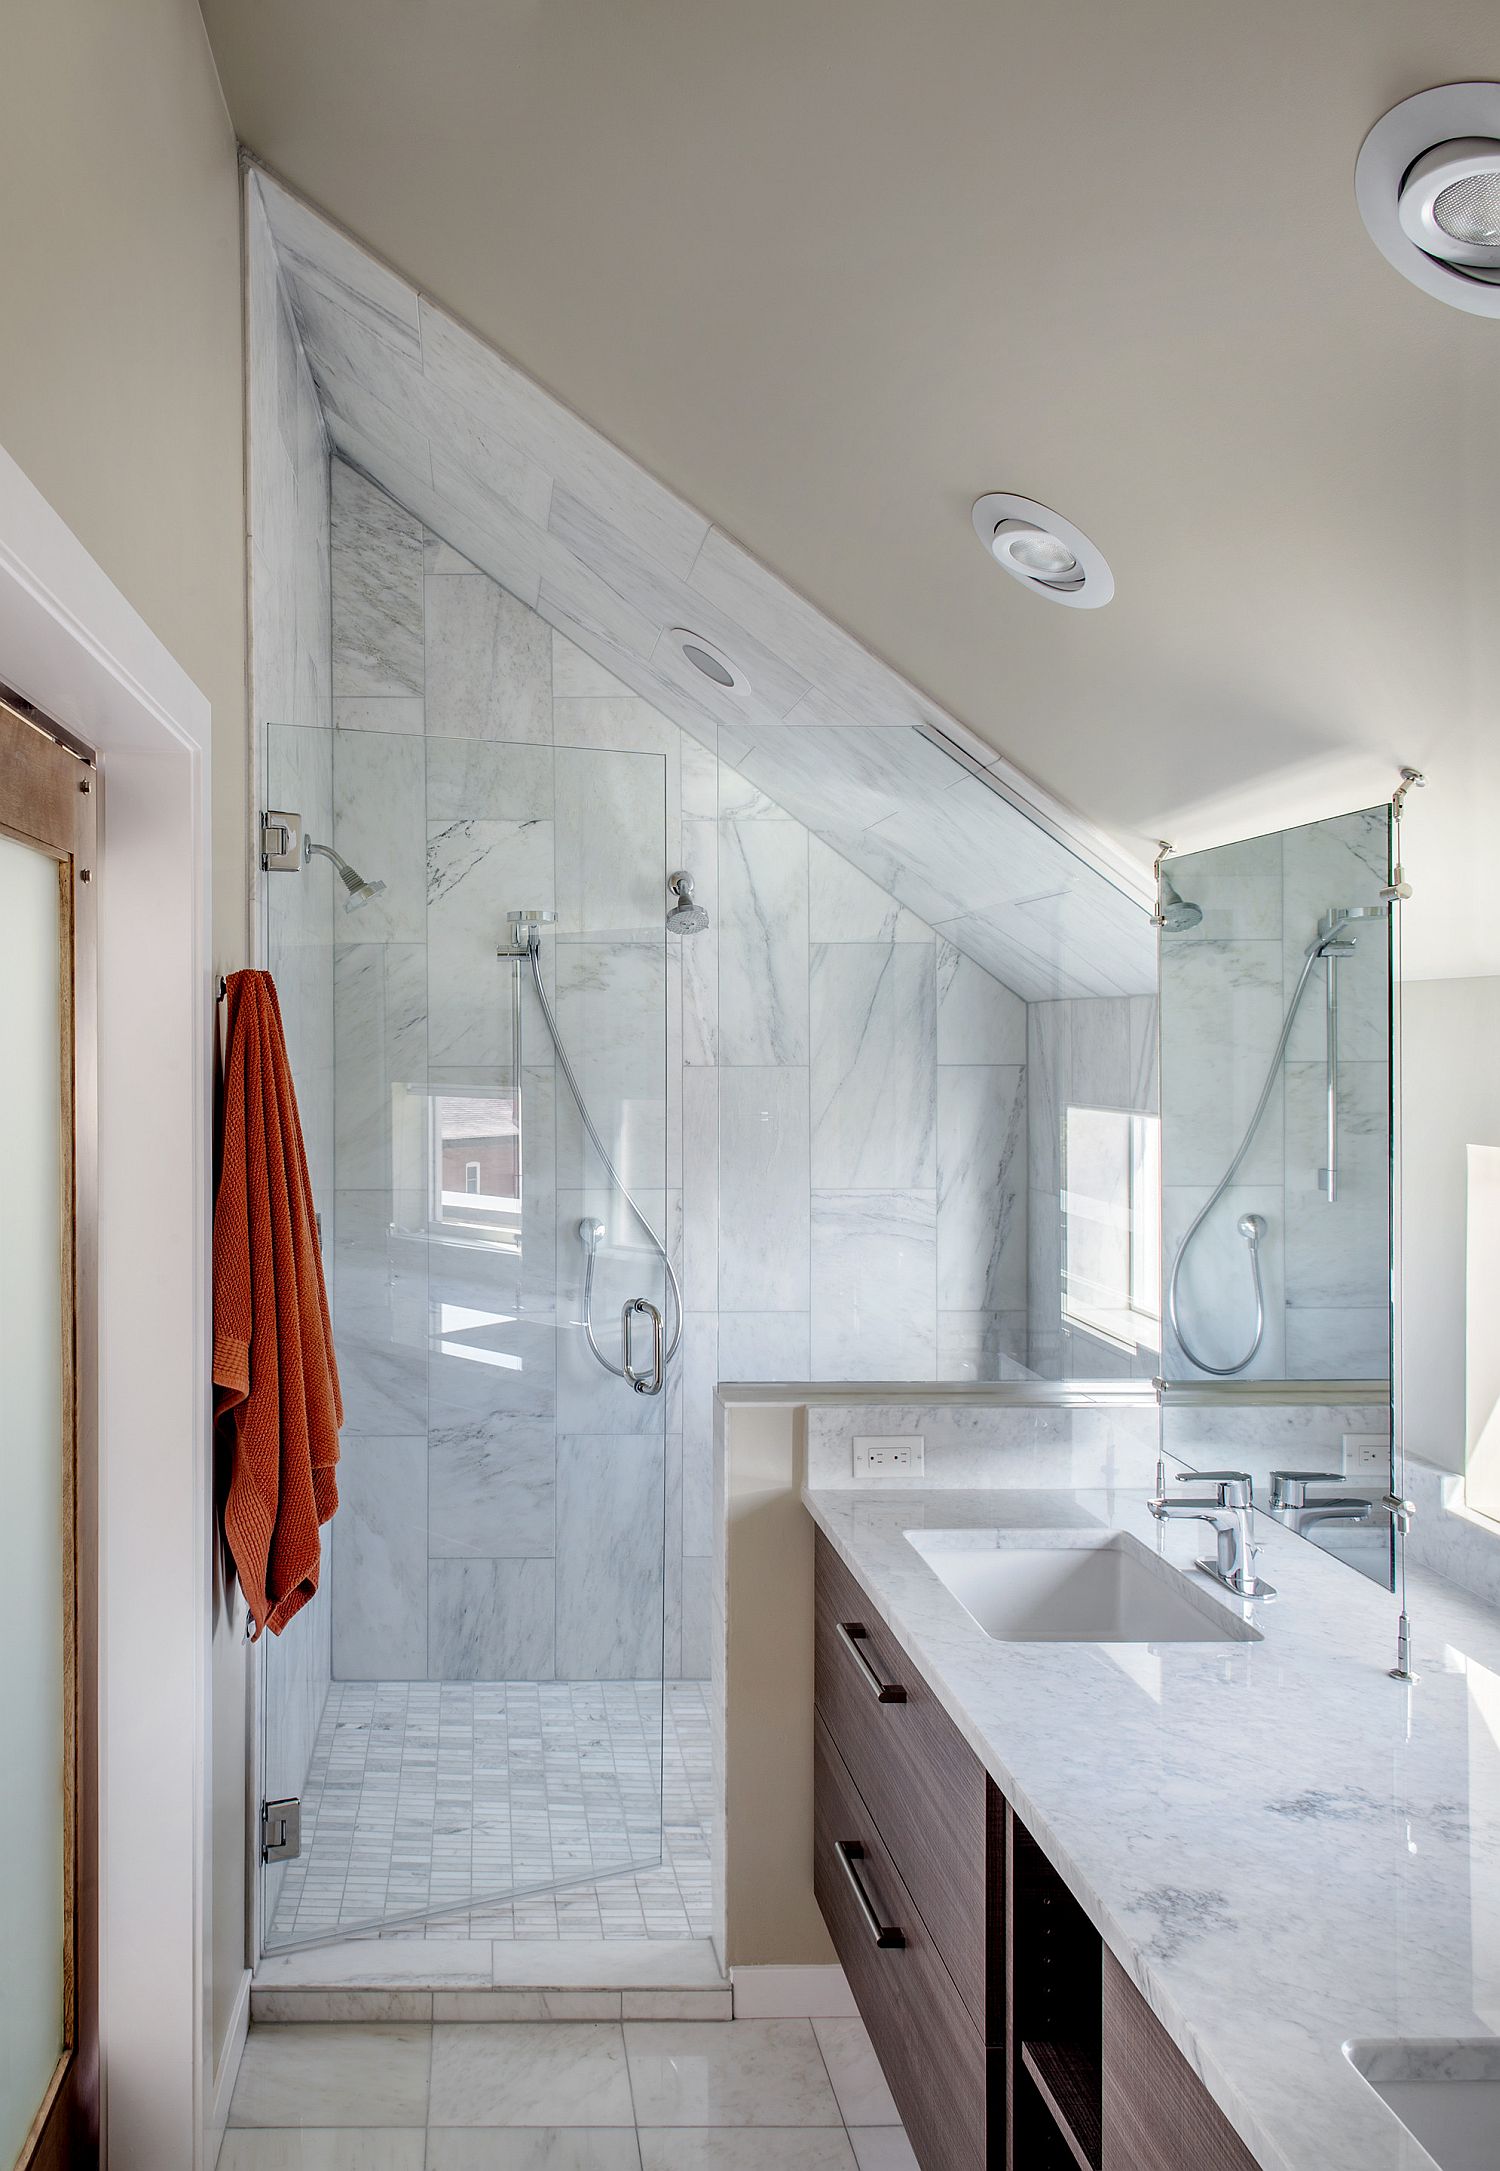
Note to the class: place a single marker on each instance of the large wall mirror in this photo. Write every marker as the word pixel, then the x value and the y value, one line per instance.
pixel 1276 1150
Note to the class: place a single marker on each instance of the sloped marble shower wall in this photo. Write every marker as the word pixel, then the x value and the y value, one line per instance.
pixel 844 1105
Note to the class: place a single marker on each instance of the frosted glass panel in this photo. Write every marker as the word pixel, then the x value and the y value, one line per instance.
pixel 31 1485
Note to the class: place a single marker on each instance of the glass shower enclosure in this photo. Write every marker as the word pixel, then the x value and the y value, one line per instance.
pixel 471 1712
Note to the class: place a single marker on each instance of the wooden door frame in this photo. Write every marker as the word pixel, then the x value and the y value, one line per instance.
pixel 71 644
pixel 49 803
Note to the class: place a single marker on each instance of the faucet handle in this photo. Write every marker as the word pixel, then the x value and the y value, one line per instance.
pixel 1236 1487
pixel 1289 1487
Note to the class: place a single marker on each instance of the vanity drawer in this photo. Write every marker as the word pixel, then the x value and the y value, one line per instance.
pixel 934 1804
pixel 949 2088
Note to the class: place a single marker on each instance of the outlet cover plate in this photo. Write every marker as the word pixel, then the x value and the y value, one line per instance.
pixel 889 1454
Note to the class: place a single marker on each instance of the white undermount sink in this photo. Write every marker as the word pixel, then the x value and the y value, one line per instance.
pixel 1445 2093
pixel 1074 1587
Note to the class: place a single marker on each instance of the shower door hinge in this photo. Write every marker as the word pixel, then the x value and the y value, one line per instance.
pixel 281 1830
pixel 281 841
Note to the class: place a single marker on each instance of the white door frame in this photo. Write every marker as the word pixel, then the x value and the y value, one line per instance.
pixel 71 643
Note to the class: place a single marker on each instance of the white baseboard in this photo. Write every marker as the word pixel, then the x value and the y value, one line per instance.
pixel 792 1993
pixel 228 2073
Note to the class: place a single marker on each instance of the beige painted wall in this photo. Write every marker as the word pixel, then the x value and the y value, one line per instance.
pixel 771 1917
pixel 120 396
pixel 1450 1101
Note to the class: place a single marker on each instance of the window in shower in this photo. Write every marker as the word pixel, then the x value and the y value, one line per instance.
pixel 1111 1221
pixel 474 1169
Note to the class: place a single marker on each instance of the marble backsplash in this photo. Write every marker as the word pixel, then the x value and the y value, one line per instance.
pixel 1004 1445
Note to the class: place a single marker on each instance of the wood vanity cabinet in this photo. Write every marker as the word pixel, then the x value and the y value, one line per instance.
pixel 1011 2040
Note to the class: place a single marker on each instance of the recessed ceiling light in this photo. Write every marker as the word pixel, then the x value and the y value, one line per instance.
pixel 1427 181
pixel 710 660
pixel 1042 550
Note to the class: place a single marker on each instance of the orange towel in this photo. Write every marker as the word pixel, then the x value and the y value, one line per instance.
pixel 276 1383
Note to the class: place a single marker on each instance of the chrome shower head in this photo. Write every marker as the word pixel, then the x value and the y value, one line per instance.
pixel 360 891
pixel 1175 914
pixel 685 918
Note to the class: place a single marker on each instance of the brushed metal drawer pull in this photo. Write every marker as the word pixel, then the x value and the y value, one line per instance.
pixel 851 1635
pixel 849 1851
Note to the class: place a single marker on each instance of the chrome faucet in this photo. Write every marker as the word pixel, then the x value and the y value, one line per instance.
pixel 1290 1504
pixel 1229 1513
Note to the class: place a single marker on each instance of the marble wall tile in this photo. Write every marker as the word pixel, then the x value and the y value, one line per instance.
pixel 379 1313
pixel 873 1036
pixel 476 872
pixel 697 1611
pixel 700 1185
pixel 701 771
pixel 764 1346
pixel 404 713
pixel 380 1560
pixel 610 1014
pixel 491 1620
pixel 609 1556
pixel 377 590
pixel 700 952
pixel 489 780
pixel 491 1497
pixel 764 1180
pixel 611 842
pixel 981 1187
pixel 380 1037
pixel 983 1345
pixel 377 826
pixel 489 1373
pixel 1216 1297
pixel 317 252
pixel 763 947
pixel 484 383
pixel 844 905
pixel 489 662
pixel 700 1368
pixel 577 676
pixel 1329 1343
pixel 978 1020
pixel 874 1284
pixel 1222 1003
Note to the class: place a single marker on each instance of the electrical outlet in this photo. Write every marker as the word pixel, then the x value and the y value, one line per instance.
pixel 889 1454
pixel 1367 1455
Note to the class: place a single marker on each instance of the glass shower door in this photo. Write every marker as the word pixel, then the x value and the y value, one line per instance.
pixel 488 1755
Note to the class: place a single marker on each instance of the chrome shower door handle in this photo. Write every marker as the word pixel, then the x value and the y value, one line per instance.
pixel 644 1383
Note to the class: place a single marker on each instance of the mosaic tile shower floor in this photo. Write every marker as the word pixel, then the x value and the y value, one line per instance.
pixel 428 1804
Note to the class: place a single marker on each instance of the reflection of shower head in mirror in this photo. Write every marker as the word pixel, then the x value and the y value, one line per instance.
pixel 1175 915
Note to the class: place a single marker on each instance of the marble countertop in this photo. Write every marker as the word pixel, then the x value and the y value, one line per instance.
pixel 1285 1848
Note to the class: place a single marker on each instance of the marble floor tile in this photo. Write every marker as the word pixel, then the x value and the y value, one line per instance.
pixel 723 2148
pixel 324 2148
pixel 533 2148
pixel 752 2073
pixel 546 2073
pixel 882 2148
pixel 442 1800
pixel 339 2075
pixel 854 2070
